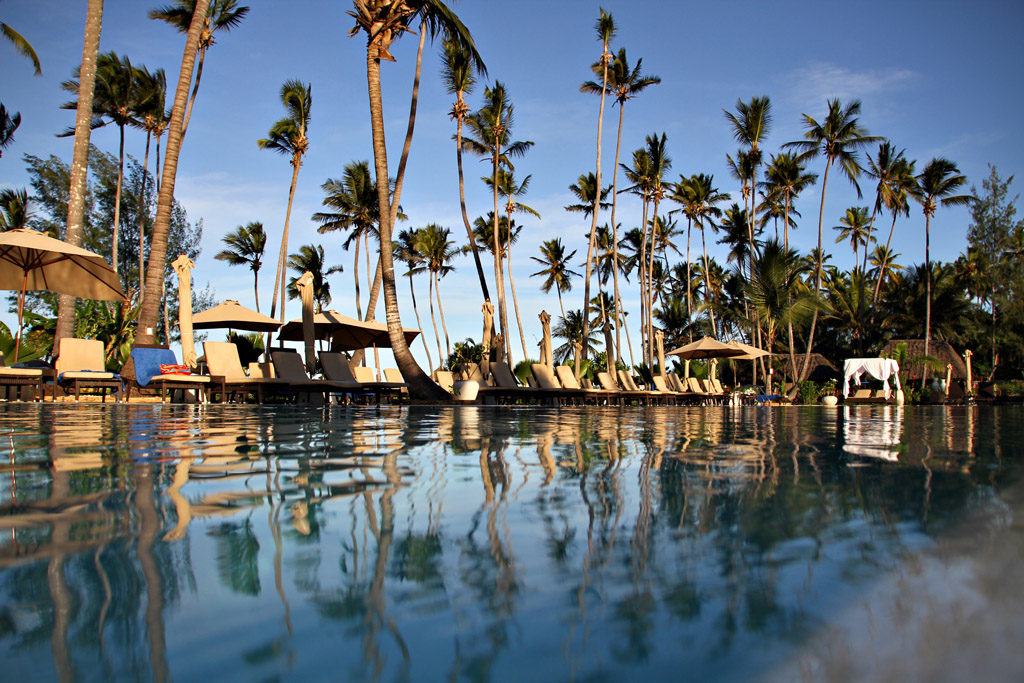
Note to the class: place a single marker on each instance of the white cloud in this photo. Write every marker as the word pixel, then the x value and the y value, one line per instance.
pixel 811 85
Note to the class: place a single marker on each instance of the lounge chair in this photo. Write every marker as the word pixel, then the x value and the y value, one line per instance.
pixel 19 379
pixel 609 384
pixel 289 367
pixel 866 396
pixel 336 368
pixel 567 377
pixel 627 382
pixel 505 386
pixel 547 381
pixel 228 379
pixel 80 366
pixel 148 374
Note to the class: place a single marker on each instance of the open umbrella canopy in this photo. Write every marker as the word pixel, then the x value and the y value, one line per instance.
pixel 32 261
pixel 749 352
pixel 235 316
pixel 345 333
pixel 707 347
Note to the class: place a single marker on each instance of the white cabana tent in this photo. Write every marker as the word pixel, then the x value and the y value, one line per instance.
pixel 879 368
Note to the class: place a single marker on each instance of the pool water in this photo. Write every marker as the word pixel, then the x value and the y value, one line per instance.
pixel 511 544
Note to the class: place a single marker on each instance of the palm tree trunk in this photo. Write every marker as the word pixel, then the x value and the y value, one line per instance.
pixel 143 215
pixel 499 275
pixel 650 286
pixel 444 325
pixel 885 259
pixel 615 237
pixel 689 281
pixel 928 293
pixel 157 176
pixel 433 318
pixel 256 287
pixel 80 161
pixel 116 231
pixel 161 227
pixel 423 337
pixel 593 215
pixel 355 278
pixel 707 281
pixel 515 303
pixel 817 274
pixel 282 257
pixel 420 386
pixel 195 88
pixel 462 205
pixel 642 281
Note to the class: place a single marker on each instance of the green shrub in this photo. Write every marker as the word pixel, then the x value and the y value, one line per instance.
pixel 808 391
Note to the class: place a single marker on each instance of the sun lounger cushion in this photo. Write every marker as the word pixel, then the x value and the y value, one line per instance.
pixel 336 367
pixel 567 377
pixel 503 376
pixel 545 376
pixel 393 375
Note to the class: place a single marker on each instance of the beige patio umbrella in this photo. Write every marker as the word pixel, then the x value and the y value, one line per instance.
pixel 546 355
pixel 233 315
pixel 659 338
pixel 707 347
pixel 32 261
pixel 305 286
pixel 183 267
pixel 485 362
pixel 749 352
pixel 345 333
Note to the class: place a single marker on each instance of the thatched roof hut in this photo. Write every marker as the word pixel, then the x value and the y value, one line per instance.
pixel 941 350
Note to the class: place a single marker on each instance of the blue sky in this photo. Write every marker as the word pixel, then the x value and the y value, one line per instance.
pixel 937 78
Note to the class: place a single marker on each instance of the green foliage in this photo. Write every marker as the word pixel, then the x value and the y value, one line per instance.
pixel 522 370
pixel 808 391
pixel 467 351
pixel 28 351
pixel 250 346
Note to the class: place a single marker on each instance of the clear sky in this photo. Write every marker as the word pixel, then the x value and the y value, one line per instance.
pixel 937 78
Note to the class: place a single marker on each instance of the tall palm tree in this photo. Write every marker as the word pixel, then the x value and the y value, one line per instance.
pixel 660 165
pixel 490 133
pixel 623 83
pixel 354 200
pixel 8 124
pixel 383 21
pixel 221 15
pixel 149 114
pixel 21 45
pixel 884 266
pixel 14 209
pixel 245 247
pixel 437 250
pixel 510 190
pixel 289 137
pixel 786 177
pixel 750 125
pixel 838 137
pixel 935 186
pixel 570 328
pixel 311 257
pixel 605 28
pixel 855 227
pixel 114 101
pixel 150 308
pixel 556 271
pixel 900 185
pixel 406 252
pixel 78 180
pixel 699 198
pixel 458 72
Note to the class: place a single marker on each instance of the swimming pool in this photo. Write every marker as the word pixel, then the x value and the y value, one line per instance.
pixel 501 543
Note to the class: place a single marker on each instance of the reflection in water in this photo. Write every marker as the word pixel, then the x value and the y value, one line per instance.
pixel 504 543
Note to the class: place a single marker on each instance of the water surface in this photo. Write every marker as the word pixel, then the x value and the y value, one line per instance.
pixel 498 544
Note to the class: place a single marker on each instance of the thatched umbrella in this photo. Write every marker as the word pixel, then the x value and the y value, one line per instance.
pixel 305 286
pixel 914 362
pixel 183 267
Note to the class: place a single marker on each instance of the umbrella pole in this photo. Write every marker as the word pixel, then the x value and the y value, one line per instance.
pixel 21 311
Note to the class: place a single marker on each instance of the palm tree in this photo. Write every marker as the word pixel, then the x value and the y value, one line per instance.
pixel 8 124
pixel 509 189
pixel 935 186
pixel 437 251
pixel 786 177
pixel 21 45
pixel 311 257
pixel 78 180
pixel 114 102
pixel 624 83
pixel 222 15
pixel 354 199
pixel 556 271
pixel 838 137
pixel 150 308
pixel 699 199
pixel 605 28
pixel 660 163
pixel 900 185
pixel 855 227
pixel 884 266
pixel 14 209
pixel 570 328
pixel 458 71
pixel 750 125
pixel 383 21
pixel 490 132
pixel 288 137
pixel 149 114
pixel 245 247
pixel 405 251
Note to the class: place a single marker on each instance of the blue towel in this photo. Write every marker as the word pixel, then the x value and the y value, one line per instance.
pixel 148 362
